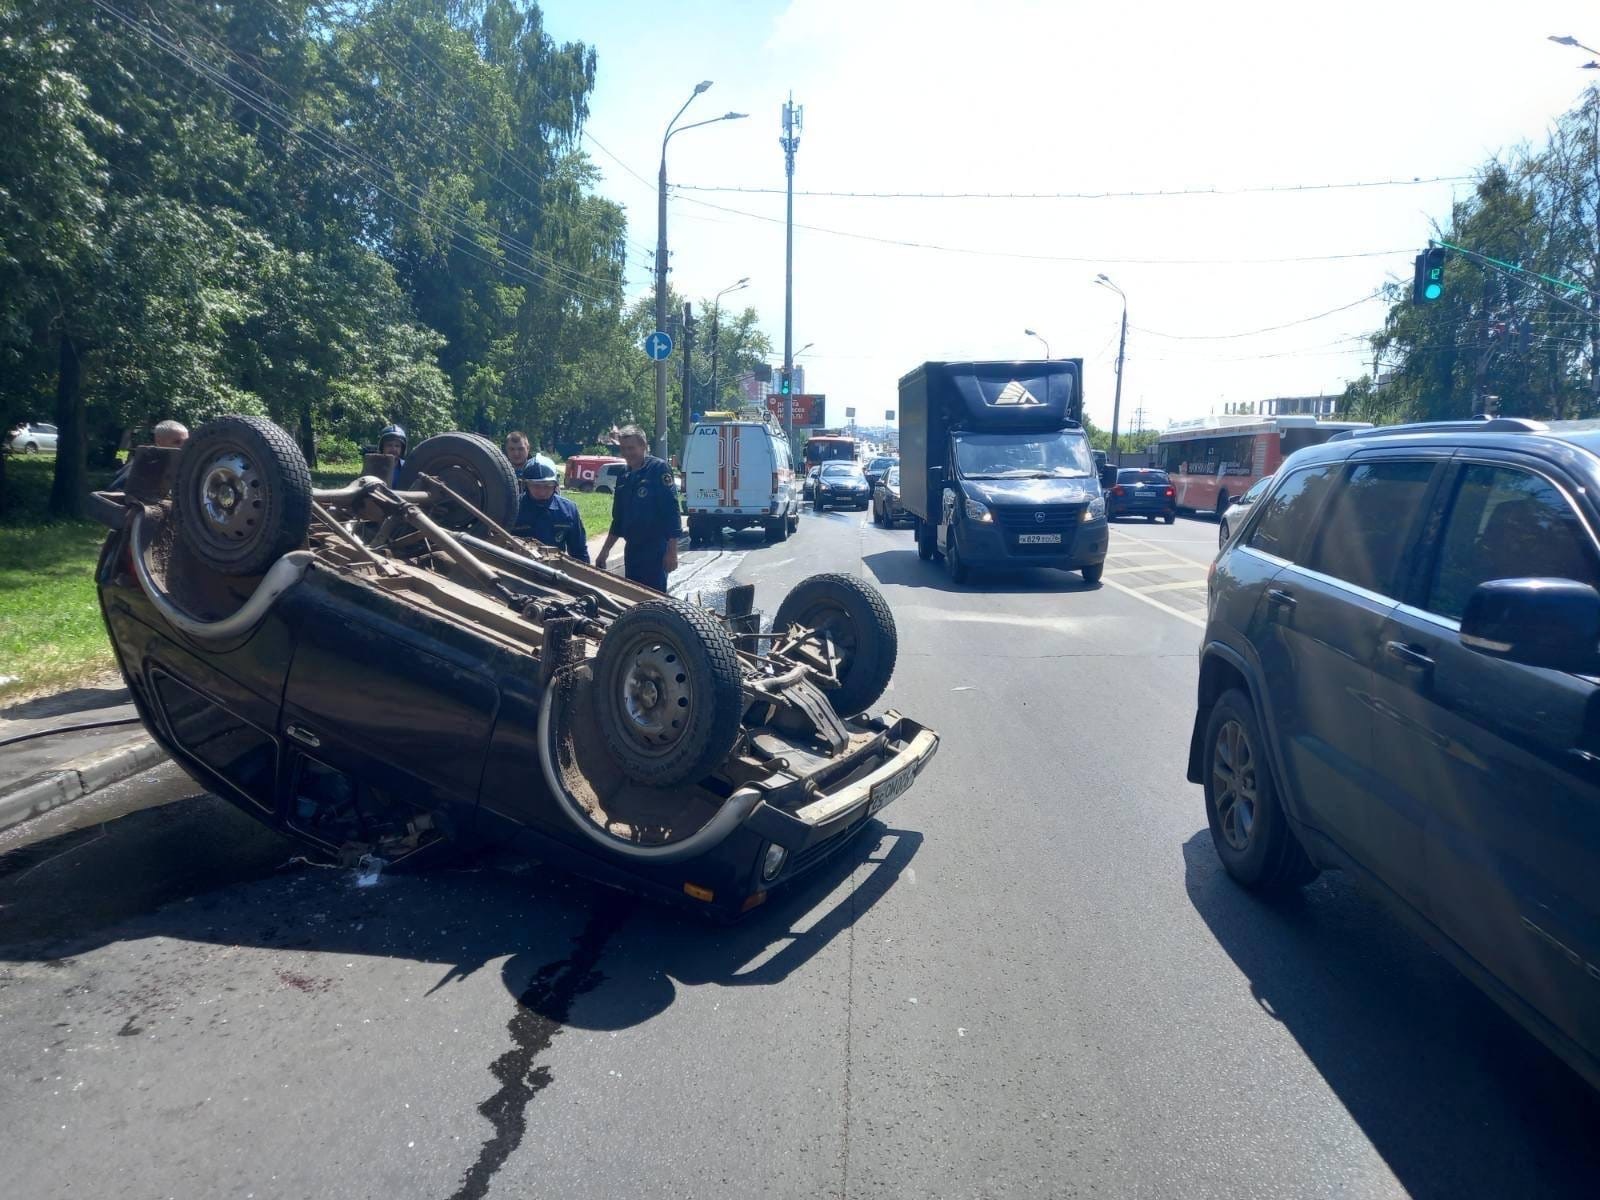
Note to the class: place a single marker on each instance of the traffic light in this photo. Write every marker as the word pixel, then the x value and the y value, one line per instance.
pixel 786 385
pixel 1428 283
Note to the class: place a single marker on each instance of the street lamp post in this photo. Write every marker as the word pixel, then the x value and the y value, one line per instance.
pixel 793 120
pixel 661 254
pixel 1122 346
pixel 1041 337
pixel 716 312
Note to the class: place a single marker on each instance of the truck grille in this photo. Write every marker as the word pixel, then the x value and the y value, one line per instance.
pixel 1043 518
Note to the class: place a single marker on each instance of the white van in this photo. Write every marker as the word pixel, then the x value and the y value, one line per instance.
pixel 737 473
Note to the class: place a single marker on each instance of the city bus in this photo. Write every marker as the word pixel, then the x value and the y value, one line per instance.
pixel 1212 461
pixel 830 447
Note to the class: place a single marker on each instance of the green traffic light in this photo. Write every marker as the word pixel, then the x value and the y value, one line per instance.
pixel 1433 291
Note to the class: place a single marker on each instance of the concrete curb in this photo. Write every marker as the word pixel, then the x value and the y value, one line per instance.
pixel 78 779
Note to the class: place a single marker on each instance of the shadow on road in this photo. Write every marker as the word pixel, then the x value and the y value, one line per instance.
pixel 200 871
pixel 902 568
pixel 1453 1095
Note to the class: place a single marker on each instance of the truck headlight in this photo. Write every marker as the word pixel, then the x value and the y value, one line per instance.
pixel 977 510
pixel 1095 509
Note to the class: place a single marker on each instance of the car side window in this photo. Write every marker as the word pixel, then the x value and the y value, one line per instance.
pixel 1368 520
pixel 1286 517
pixel 1507 523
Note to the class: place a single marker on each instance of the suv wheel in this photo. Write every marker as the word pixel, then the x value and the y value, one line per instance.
pixel 1248 825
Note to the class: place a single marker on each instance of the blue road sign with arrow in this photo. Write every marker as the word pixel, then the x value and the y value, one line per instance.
pixel 658 346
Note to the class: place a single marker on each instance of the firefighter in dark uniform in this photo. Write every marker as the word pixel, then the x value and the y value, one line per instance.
pixel 644 514
pixel 547 517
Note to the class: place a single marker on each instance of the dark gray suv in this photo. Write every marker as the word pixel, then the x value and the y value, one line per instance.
pixel 1400 677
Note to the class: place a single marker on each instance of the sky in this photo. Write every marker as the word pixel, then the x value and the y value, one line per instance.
pixel 1014 96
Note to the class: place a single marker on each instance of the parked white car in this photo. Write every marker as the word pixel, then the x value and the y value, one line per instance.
pixel 33 437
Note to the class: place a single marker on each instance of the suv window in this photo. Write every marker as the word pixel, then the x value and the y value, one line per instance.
pixel 1141 475
pixel 1286 518
pixel 1506 524
pixel 1368 522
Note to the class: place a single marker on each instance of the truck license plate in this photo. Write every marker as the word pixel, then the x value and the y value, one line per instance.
pixel 890 789
pixel 1039 539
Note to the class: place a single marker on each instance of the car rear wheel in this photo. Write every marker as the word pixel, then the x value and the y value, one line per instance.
pixel 1091 574
pixel 1222 504
pixel 1249 827
pixel 1170 518
pixel 474 468
pixel 926 545
pixel 668 692
pixel 855 618
pixel 31 448
pixel 778 529
pixel 243 495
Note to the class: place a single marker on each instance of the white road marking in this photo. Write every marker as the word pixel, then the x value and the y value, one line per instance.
pixel 1172 587
pixel 1158 546
pixel 1164 566
pixel 1154 603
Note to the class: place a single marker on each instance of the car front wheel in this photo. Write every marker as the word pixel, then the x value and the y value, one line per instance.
pixel 1249 827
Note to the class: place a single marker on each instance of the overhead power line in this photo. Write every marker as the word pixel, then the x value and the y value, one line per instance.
pixel 1262 189
pixel 1101 259
pixel 1218 337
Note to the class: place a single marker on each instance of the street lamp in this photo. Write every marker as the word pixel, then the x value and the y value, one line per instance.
pixel 661 254
pixel 1122 344
pixel 1569 40
pixel 716 313
pixel 1041 337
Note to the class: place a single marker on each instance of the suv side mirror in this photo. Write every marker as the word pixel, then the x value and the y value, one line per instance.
pixel 1552 623
pixel 1108 477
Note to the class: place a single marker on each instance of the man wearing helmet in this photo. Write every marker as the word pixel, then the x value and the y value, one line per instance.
pixel 547 517
pixel 393 441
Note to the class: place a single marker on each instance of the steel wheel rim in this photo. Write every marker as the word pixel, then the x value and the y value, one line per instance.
pixel 229 495
pixel 657 701
pixel 1234 784
pixel 834 623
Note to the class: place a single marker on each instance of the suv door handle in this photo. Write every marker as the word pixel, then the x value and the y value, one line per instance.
pixel 1410 655
pixel 302 735
pixel 1280 597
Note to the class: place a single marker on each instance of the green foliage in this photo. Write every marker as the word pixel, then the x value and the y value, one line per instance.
pixel 337 216
pixel 1502 331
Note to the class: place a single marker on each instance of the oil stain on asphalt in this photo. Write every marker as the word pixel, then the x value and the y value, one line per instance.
pixel 542 1009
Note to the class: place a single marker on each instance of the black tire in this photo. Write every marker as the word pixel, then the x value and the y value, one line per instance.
pixel 954 565
pixel 777 530
pixel 794 521
pixel 877 515
pixel 1222 504
pixel 31 448
pixel 243 495
pixel 819 506
pixel 1249 827
pixel 927 545
pixel 856 616
pixel 1092 574
pixel 1151 519
pixel 1170 518
pixel 1222 532
pixel 474 468
pixel 667 692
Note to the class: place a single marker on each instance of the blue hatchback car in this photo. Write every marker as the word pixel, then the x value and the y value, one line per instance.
pixel 1400 677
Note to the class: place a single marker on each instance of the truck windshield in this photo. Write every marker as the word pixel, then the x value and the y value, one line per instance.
pixel 1015 456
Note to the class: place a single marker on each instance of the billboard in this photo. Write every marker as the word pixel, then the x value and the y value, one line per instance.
pixel 807 409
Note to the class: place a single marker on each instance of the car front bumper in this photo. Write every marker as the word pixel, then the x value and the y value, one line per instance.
pixel 993 546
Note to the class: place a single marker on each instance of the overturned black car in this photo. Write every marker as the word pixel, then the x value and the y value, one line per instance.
pixel 382 670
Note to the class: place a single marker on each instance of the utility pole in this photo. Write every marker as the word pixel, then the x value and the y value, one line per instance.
pixel 688 354
pixel 793 118
pixel 661 291
pixel 1116 403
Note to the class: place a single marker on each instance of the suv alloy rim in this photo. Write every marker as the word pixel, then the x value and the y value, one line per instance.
pixel 1233 784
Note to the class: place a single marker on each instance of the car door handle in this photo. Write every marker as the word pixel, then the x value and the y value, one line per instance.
pixel 1281 598
pixel 302 735
pixel 1410 655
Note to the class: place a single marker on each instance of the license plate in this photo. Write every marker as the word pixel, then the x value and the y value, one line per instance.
pixel 890 789
pixel 1039 539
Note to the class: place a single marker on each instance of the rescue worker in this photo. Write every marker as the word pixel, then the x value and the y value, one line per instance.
pixel 547 517
pixel 644 514
pixel 393 441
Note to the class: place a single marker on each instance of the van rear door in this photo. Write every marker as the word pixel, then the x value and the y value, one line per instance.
pixel 703 467
pixel 750 480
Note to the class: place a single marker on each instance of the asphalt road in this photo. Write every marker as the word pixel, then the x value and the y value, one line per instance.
pixel 1029 978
